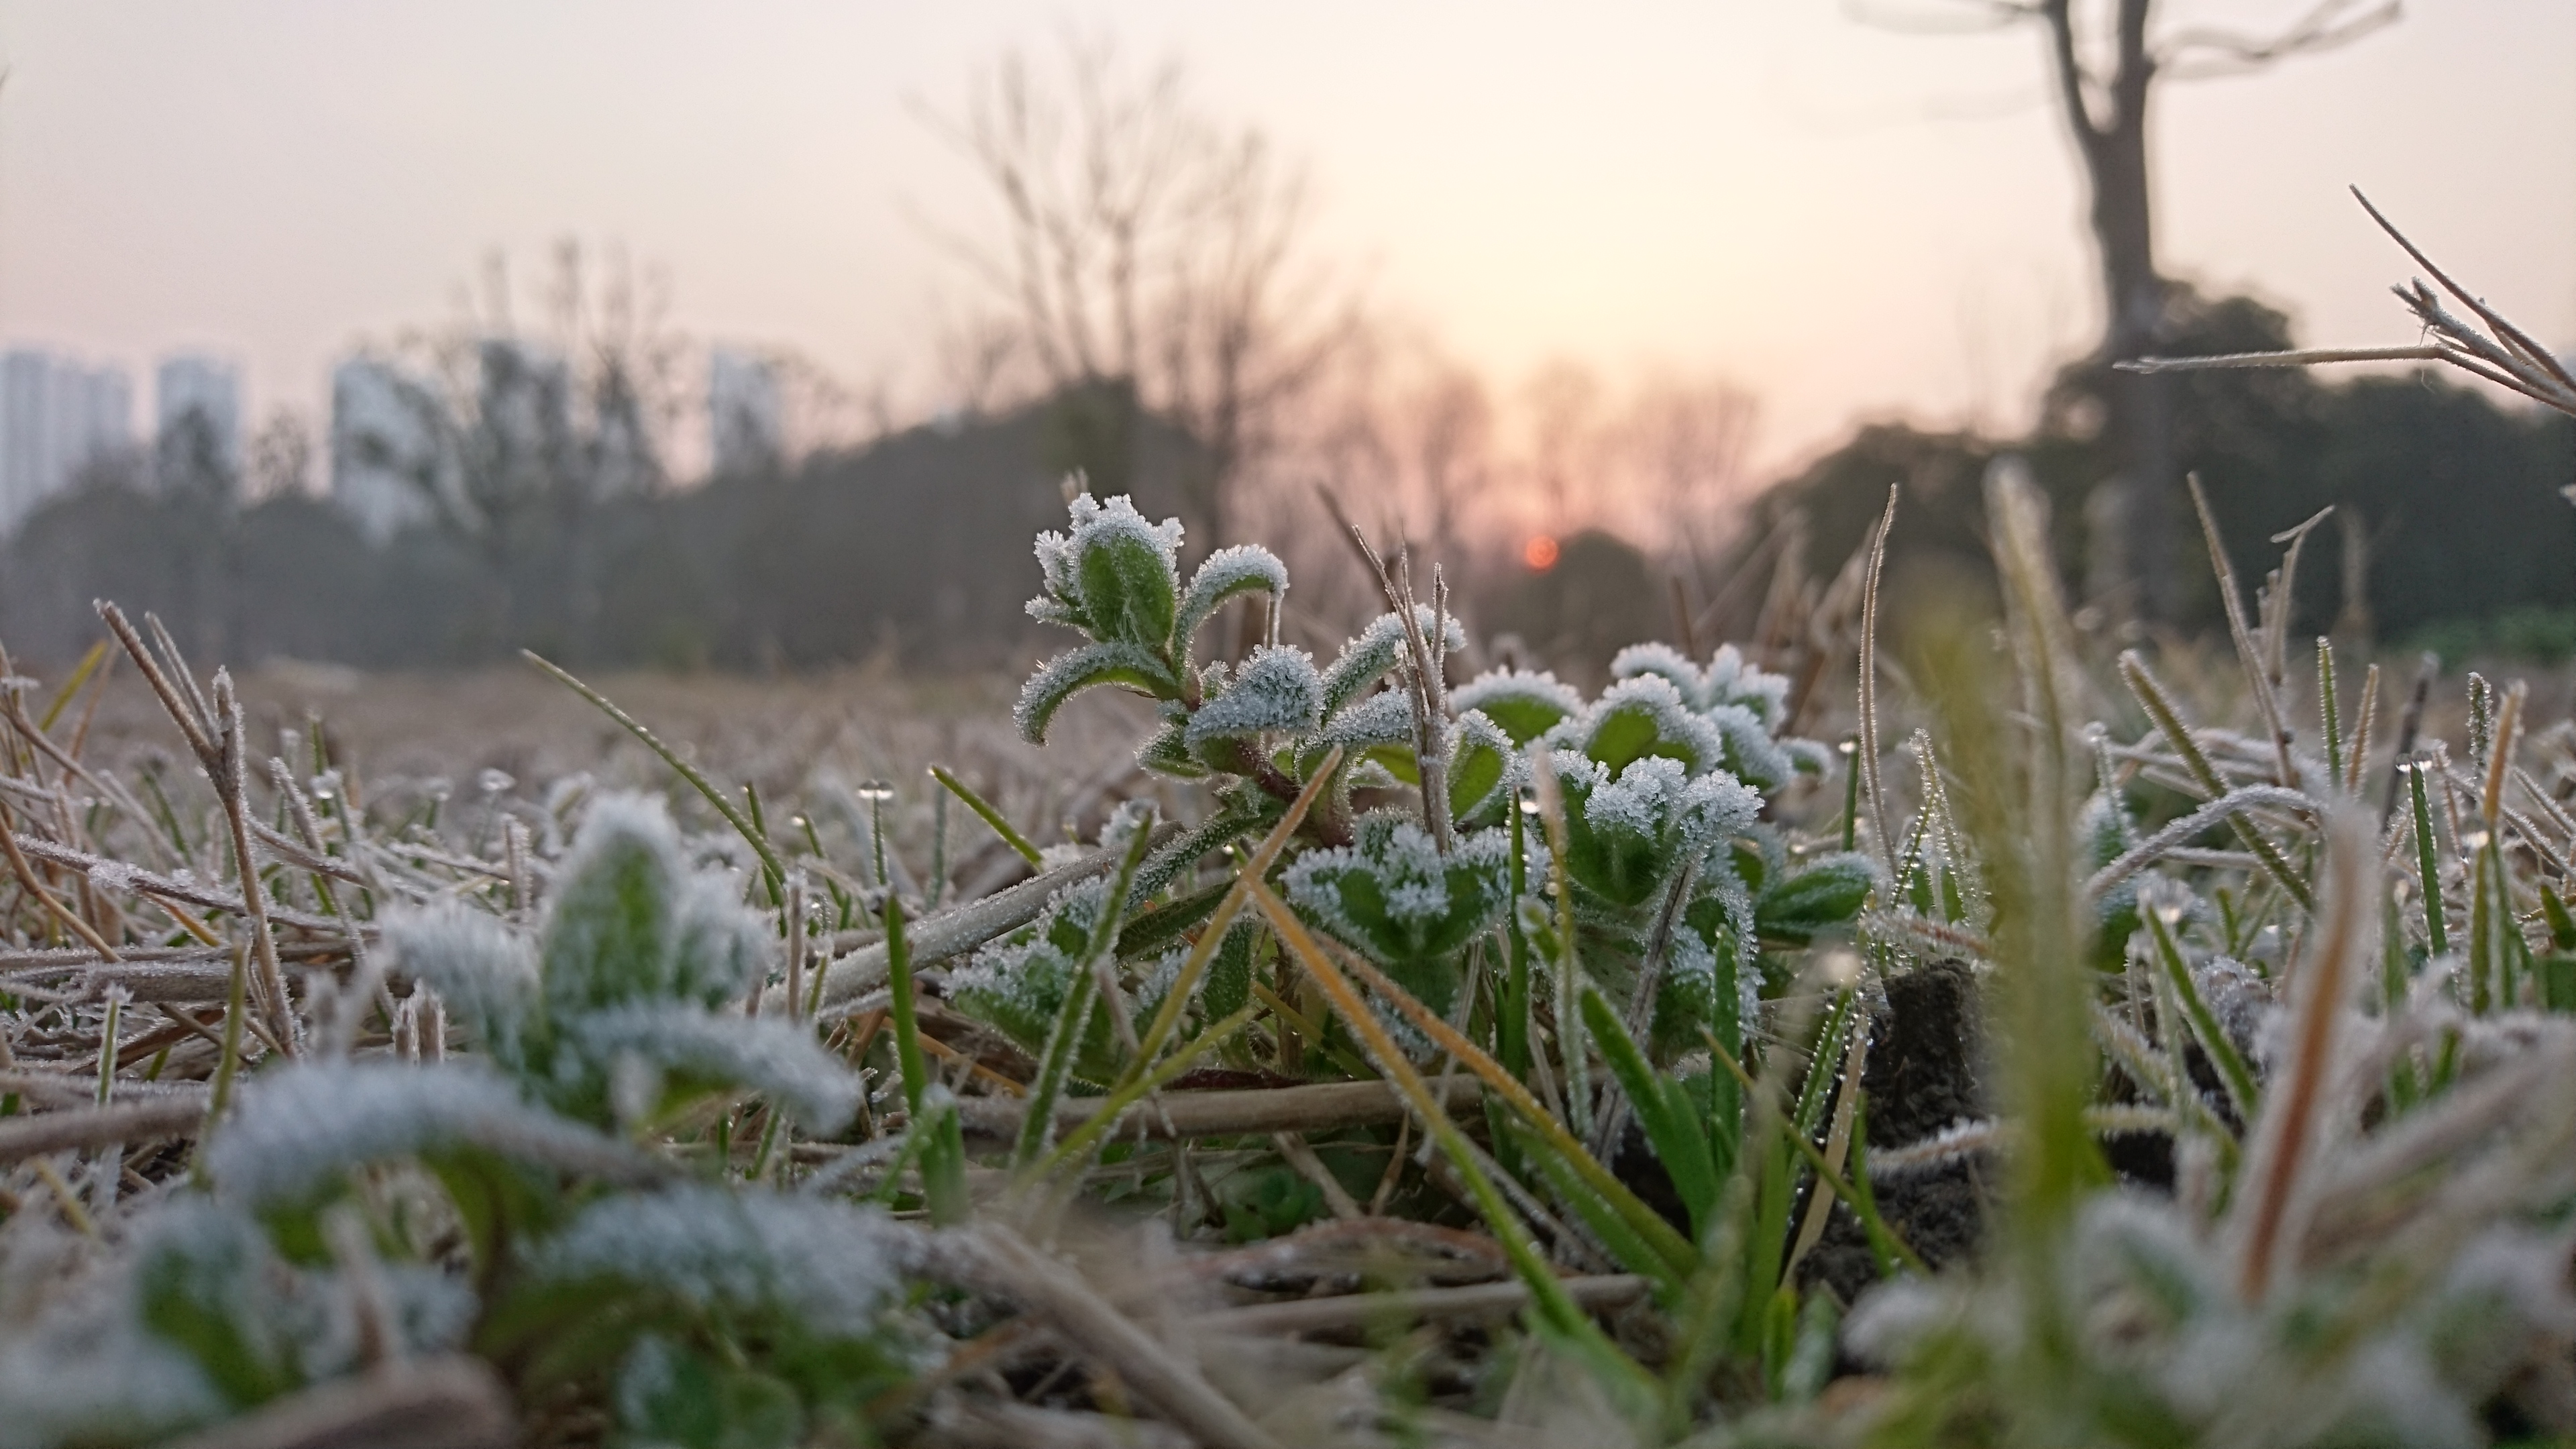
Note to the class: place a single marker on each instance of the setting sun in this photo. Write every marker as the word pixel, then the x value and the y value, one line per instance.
pixel 1539 553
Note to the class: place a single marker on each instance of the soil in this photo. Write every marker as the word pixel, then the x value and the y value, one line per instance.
pixel 1925 1072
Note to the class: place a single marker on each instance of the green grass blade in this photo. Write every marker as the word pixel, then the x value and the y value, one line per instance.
pixel 1645 1221
pixel 2214 1041
pixel 984 811
pixel 1079 1144
pixel 1663 1109
pixel 943 1165
pixel 1549 1300
pixel 2437 932
pixel 769 861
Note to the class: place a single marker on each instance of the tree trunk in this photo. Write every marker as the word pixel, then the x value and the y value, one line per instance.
pixel 2113 146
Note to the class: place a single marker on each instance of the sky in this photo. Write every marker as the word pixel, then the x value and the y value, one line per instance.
pixel 1850 221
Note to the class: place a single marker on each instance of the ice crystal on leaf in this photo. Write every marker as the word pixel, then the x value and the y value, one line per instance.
pixel 1725 680
pixel 1113 576
pixel 1378 648
pixel 829 1267
pixel 1059 679
pixel 1524 705
pixel 1393 895
pixel 1385 718
pixel 1276 692
pixel 301 1128
pixel 1747 750
pixel 1626 834
pixel 777 1058
pixel 1079 566
pixel 1245 568
pixel 1644 717
pixel 1731 680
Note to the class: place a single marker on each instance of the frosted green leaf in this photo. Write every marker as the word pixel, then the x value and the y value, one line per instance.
pixel 1276 692
pixel 1385 718
pixel 1246 568
pixel 1395 897
pixel 1748 752
pixel 1641 717
pixel 301 1128
pixel 1524 705
pixel 609 929
pixel 1376 649
pixel 1483 764
pixel 1730 680
pixel 827 1266
pixel 1666 663
pixel 1075 670
pixel 1107 573
pixel 778 1059
pixel 1829 892
pixel 1625 836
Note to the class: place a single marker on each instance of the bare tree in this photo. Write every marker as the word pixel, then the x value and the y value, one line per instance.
pixel 1149 253
pixel 1686 441
pixel 516 439
pixel 1566 433
pixel 2104 58
pixel 281 457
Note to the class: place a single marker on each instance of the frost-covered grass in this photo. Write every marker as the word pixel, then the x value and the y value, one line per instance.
pixel 1369 1051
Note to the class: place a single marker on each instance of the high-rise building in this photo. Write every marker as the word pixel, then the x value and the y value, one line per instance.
pixel 207 388
pixel 56 415
pixel 384 446
pixel 744 432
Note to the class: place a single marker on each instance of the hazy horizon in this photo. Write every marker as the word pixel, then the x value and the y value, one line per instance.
pixel 1847 221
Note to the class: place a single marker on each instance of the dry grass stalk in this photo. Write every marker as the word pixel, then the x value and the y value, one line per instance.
pixel 2274 1196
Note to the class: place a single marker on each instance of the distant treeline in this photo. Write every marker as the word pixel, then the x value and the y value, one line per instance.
pixel 2449 513
pixel 919 544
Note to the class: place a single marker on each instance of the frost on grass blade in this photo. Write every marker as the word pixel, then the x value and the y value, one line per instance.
pixel 1276 691
pixel 1075 670
pixel 1524 705
pixel 777 1058
pixel 300 1128
pixel 1246 568
pixel 482 969
pixel 826 1266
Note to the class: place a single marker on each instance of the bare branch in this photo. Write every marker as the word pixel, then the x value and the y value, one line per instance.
pixel 2205 52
